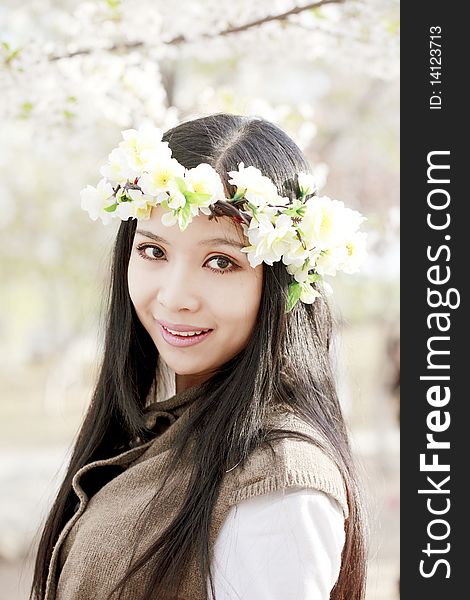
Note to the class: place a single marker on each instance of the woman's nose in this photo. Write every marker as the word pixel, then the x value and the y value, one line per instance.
pixel 178 289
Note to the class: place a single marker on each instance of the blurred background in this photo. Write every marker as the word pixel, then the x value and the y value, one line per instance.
pixel 73 75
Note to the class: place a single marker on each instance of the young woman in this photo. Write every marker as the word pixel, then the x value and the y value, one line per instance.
pixel 213 461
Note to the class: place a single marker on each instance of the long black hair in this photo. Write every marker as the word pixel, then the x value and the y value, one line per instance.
pixel 287 359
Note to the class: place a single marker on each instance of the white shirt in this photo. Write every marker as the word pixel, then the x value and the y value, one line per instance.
pixel 281 546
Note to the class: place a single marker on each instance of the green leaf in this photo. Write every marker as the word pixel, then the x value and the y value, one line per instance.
pixel 186 209
pixel 184 216
pixel 239 194
pixel 183 220
pixel 196 197
pixel 313 277
pixel 253 208
pixel 181 184
pixel 293 295
pixel 111 208
pixel 296 210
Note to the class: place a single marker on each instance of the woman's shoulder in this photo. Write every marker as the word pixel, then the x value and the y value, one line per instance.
pixel 284 544
pixel 289 462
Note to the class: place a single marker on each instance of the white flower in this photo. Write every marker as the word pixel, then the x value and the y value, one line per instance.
pixel 144 147
pixel 178 216
pixel 299 272
pixel 269 241
pixel 307 184
pixel 160 175
pixel 204 179
pixel 126 210
pixel 259 190
pixel 176 197
pixel 139 198
pixel 139 150
pixel 296 254
pixel 331 260
pixel 313 237
pixel 327 223
pixel 356 253
pixel 144 212
pixel 169 218
pixel 139 206
pixel 94 200
pixel 267 212
pixel 142 203
pixel 308 293
pixel 118 169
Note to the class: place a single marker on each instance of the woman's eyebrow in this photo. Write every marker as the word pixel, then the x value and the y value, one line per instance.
pixel 207 242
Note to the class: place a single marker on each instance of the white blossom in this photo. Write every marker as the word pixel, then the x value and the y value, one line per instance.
pixel 118 169
pixel 331 260
pixel 356 253
pixel 327 223
pixel 95 199
pixel 143 148
pixel 176 197
pixel 308 293
pixel 258 189
pixel 269 241
pixel 204 179
pixel 159 175
pixel 307 184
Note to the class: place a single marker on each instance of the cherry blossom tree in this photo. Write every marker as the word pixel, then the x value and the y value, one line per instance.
pixel 73 75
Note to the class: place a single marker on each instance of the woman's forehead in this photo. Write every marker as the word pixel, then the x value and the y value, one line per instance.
pixel 200 232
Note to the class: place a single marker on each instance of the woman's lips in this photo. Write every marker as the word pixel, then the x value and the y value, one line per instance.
pixel 180 341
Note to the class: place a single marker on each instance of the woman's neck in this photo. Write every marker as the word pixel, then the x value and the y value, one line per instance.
pixel 184 382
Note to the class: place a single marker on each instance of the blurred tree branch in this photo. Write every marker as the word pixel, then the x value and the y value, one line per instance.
pixel 181 39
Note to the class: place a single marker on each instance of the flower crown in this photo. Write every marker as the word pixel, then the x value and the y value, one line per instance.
pixel 313 235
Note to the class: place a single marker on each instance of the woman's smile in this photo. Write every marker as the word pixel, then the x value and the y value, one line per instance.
pixel 183 339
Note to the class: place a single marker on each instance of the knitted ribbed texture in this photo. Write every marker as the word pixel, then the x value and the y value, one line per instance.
pixel 94 548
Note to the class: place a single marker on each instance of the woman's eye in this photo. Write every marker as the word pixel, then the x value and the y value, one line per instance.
pixel 149 252
pixel 221 263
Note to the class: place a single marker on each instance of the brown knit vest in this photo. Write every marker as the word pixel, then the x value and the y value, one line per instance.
pixel 93 549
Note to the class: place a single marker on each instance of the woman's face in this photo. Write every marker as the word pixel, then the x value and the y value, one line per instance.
pixel 197 278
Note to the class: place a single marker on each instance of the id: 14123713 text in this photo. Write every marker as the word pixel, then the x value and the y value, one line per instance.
pixel 435 66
